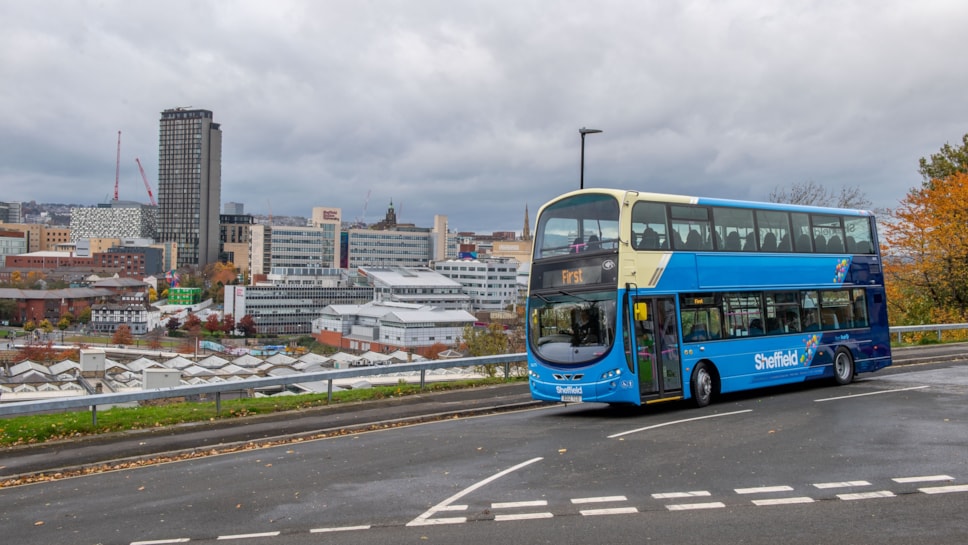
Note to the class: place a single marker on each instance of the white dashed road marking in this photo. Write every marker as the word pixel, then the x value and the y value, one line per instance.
pixel 783 501
pixel 867 495
pixel 843 484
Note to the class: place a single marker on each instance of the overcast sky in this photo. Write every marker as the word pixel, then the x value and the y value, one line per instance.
pixel 472 109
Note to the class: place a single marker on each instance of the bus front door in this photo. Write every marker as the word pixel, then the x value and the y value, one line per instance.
pixel 657 348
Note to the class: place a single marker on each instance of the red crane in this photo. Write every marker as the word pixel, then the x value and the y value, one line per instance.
pixel 117 168
pixel 151 196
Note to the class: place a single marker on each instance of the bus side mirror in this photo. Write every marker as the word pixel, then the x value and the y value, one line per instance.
pixel 641 312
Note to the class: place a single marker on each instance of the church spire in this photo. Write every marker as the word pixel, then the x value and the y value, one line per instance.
pixel 526 233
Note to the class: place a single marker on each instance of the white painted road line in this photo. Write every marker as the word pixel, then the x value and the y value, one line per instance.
pixel 689 506
pixel 945 489
pixel 871 393
pixel 676 495
pixel 516 504
pixel 677 422
pixel 601 499
pixel 925 479
pixel 339 529
pixel 161 541
pixel 867 495
pixel 842 484
pixel 425 519
pixel 783 501
pixel 613 511
pixel 523 516
pixel 248 536
pixel 763 489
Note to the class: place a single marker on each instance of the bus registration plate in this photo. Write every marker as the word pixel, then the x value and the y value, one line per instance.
pixel 571 399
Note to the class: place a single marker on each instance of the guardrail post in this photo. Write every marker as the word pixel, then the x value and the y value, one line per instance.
pixel 329 391
pixel 423 378
pixel 94 416
pixel 218 404
pixel 939 334
pixel 507 371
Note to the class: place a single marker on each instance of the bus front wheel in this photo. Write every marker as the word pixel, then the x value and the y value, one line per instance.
pixel 702 384
pixel 843 367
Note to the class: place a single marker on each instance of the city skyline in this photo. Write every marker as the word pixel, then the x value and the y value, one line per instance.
pixel 473 110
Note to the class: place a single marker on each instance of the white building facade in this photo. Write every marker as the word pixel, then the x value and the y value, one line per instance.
pixel 491 284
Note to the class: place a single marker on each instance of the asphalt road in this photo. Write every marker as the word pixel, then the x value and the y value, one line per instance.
pixel 883 460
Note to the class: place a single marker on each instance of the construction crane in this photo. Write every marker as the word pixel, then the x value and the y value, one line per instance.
pixel 117 168
pixel 151 196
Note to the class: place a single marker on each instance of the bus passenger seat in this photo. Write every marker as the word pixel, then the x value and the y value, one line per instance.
pixel 649 240
pixel 750 244
pixel 733 243
pixel 835 244
pixel 769 243
pixel 803 243
pixel 820 244
pixel 694 240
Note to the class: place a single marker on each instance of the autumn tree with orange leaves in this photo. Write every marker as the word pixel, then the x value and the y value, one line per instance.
pixel 926 244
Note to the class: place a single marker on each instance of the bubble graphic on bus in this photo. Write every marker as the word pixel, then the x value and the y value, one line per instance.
pixel 841 271
pixel 810 346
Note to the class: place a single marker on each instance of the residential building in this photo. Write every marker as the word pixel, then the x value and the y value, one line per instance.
pixel 132 261
pixel 128 306
pixel 190 184
pixel 140 318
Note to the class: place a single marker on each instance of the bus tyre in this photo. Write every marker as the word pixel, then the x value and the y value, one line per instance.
pixel 702 384
pixel 843 367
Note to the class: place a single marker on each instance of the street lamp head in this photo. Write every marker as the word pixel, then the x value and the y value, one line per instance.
pixel 583 131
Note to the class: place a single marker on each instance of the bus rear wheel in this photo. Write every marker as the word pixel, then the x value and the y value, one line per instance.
pixel 843 367
pixel 702 384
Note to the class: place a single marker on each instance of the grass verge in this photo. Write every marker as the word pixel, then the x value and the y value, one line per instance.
pixel 32 429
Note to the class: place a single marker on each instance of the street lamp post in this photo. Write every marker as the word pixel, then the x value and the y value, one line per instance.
pixel 583 131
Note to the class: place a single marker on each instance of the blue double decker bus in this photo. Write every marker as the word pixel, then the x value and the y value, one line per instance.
pixel 643 297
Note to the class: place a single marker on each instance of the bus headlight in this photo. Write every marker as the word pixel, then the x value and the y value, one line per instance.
pixel 611 374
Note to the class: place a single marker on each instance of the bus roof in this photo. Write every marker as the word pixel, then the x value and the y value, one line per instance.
pixel 710 201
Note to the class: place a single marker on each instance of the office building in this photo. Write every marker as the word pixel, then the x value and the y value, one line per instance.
pixel 385 327
pixel 400 246
pixel 288 309
pixel 235 233
pixel 416 285
pixel 117 219
pixel 491 283
pixel 190 184
pixel 11 212
pixel 11 243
